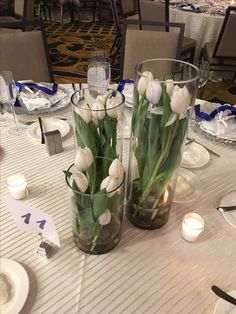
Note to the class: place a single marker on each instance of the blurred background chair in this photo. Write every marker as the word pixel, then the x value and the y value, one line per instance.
pixel 221 55
pixel 19 10
pixel 50 5
pixel 142 44
pixel 84 5
pixel 127 12
pixel 25 54
pixel 158 11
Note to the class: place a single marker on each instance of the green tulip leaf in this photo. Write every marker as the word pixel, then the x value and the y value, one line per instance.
pixel 100 200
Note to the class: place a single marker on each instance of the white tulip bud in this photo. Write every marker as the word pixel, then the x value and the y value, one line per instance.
pixel 143 82
pixel 98 109
pixel 81 181
pixel 169 87
pixel 180 100
pixel 113 108
pixel 153 92
pixel 83 159
pixel 84 112
pixel 110 184
pixel 116 169
pixel 104 218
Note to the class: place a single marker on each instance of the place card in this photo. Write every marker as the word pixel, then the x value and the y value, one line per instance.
pixel 33 220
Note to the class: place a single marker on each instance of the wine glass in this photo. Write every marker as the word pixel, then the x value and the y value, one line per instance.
pixel 204 74
pixel 9 92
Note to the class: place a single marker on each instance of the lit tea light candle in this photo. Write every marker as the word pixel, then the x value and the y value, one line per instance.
pixel 17 185
pixel 192 226
pixel 232 2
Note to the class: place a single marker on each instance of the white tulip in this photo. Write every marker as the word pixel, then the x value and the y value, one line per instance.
pixel 116 169
pixel 81 181
pixel 169 87
pixel 143 82
pixel 153 92
pixel 180 100
pixel 83 159
pixel 110 184
pixel 84 112
pixel 98 109
pixel 113 108
pixel 104 218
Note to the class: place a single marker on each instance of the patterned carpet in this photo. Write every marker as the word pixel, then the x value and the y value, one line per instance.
pixel 71 46
pixel 70 50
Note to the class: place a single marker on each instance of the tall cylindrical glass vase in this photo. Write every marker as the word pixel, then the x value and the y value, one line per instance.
pixel 164 93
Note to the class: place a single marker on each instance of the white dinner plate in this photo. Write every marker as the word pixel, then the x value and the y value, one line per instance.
pixel 18 286
pixel 49 124
pixel 194 156
pixel 188 187
pixel 224 307
pixel 229 200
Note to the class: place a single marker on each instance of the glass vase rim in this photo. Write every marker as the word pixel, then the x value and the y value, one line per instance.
pixel 195 216
pixel 97 110
pixel 89 194
pixel 195 78
pixel 15 176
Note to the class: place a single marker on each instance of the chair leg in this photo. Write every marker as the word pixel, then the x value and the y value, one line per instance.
pixel 234 78
pixel 115 43
pixel 71 8
pixel 61 16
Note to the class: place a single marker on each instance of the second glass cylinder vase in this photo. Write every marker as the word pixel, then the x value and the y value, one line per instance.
pixel 164 93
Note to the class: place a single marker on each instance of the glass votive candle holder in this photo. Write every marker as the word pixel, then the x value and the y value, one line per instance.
pixel 17 186
pixel 192 226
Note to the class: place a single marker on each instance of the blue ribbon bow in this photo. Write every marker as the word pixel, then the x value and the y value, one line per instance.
pixel 44 89
pixel 122 83
pixel 209 117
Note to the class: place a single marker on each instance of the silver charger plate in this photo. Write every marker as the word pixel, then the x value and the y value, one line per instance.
pixel 197 129
pixel 61 104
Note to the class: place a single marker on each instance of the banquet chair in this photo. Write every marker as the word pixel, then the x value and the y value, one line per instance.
pixel 159 11
pixel 49 5
pixel 127 7
pixel 221 55
pixel 25 53
pixel 119 24
pixel 92 5
pixel 23 10
pixel 141 44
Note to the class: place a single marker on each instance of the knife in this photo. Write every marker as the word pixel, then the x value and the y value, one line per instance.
pixel 41 129
pixel 220 293
pixel 226 208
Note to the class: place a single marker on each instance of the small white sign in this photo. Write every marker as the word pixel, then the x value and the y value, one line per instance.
pixel 32 220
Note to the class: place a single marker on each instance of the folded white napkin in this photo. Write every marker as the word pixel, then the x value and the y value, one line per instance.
pixel 223 125
pixel 128 93
pixel 38 99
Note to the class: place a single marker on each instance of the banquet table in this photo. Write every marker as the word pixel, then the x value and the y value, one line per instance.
pixel 149 271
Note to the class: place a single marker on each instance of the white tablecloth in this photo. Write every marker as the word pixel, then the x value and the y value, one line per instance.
pixel 148 272
pixel 199 26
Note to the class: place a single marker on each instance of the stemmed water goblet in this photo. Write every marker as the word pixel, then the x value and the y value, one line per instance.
pixel 99 73
pixel 8 92
pixel 204 74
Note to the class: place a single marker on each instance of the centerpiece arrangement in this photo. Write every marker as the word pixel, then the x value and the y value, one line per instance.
pixel 96 179
pixel 164 92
